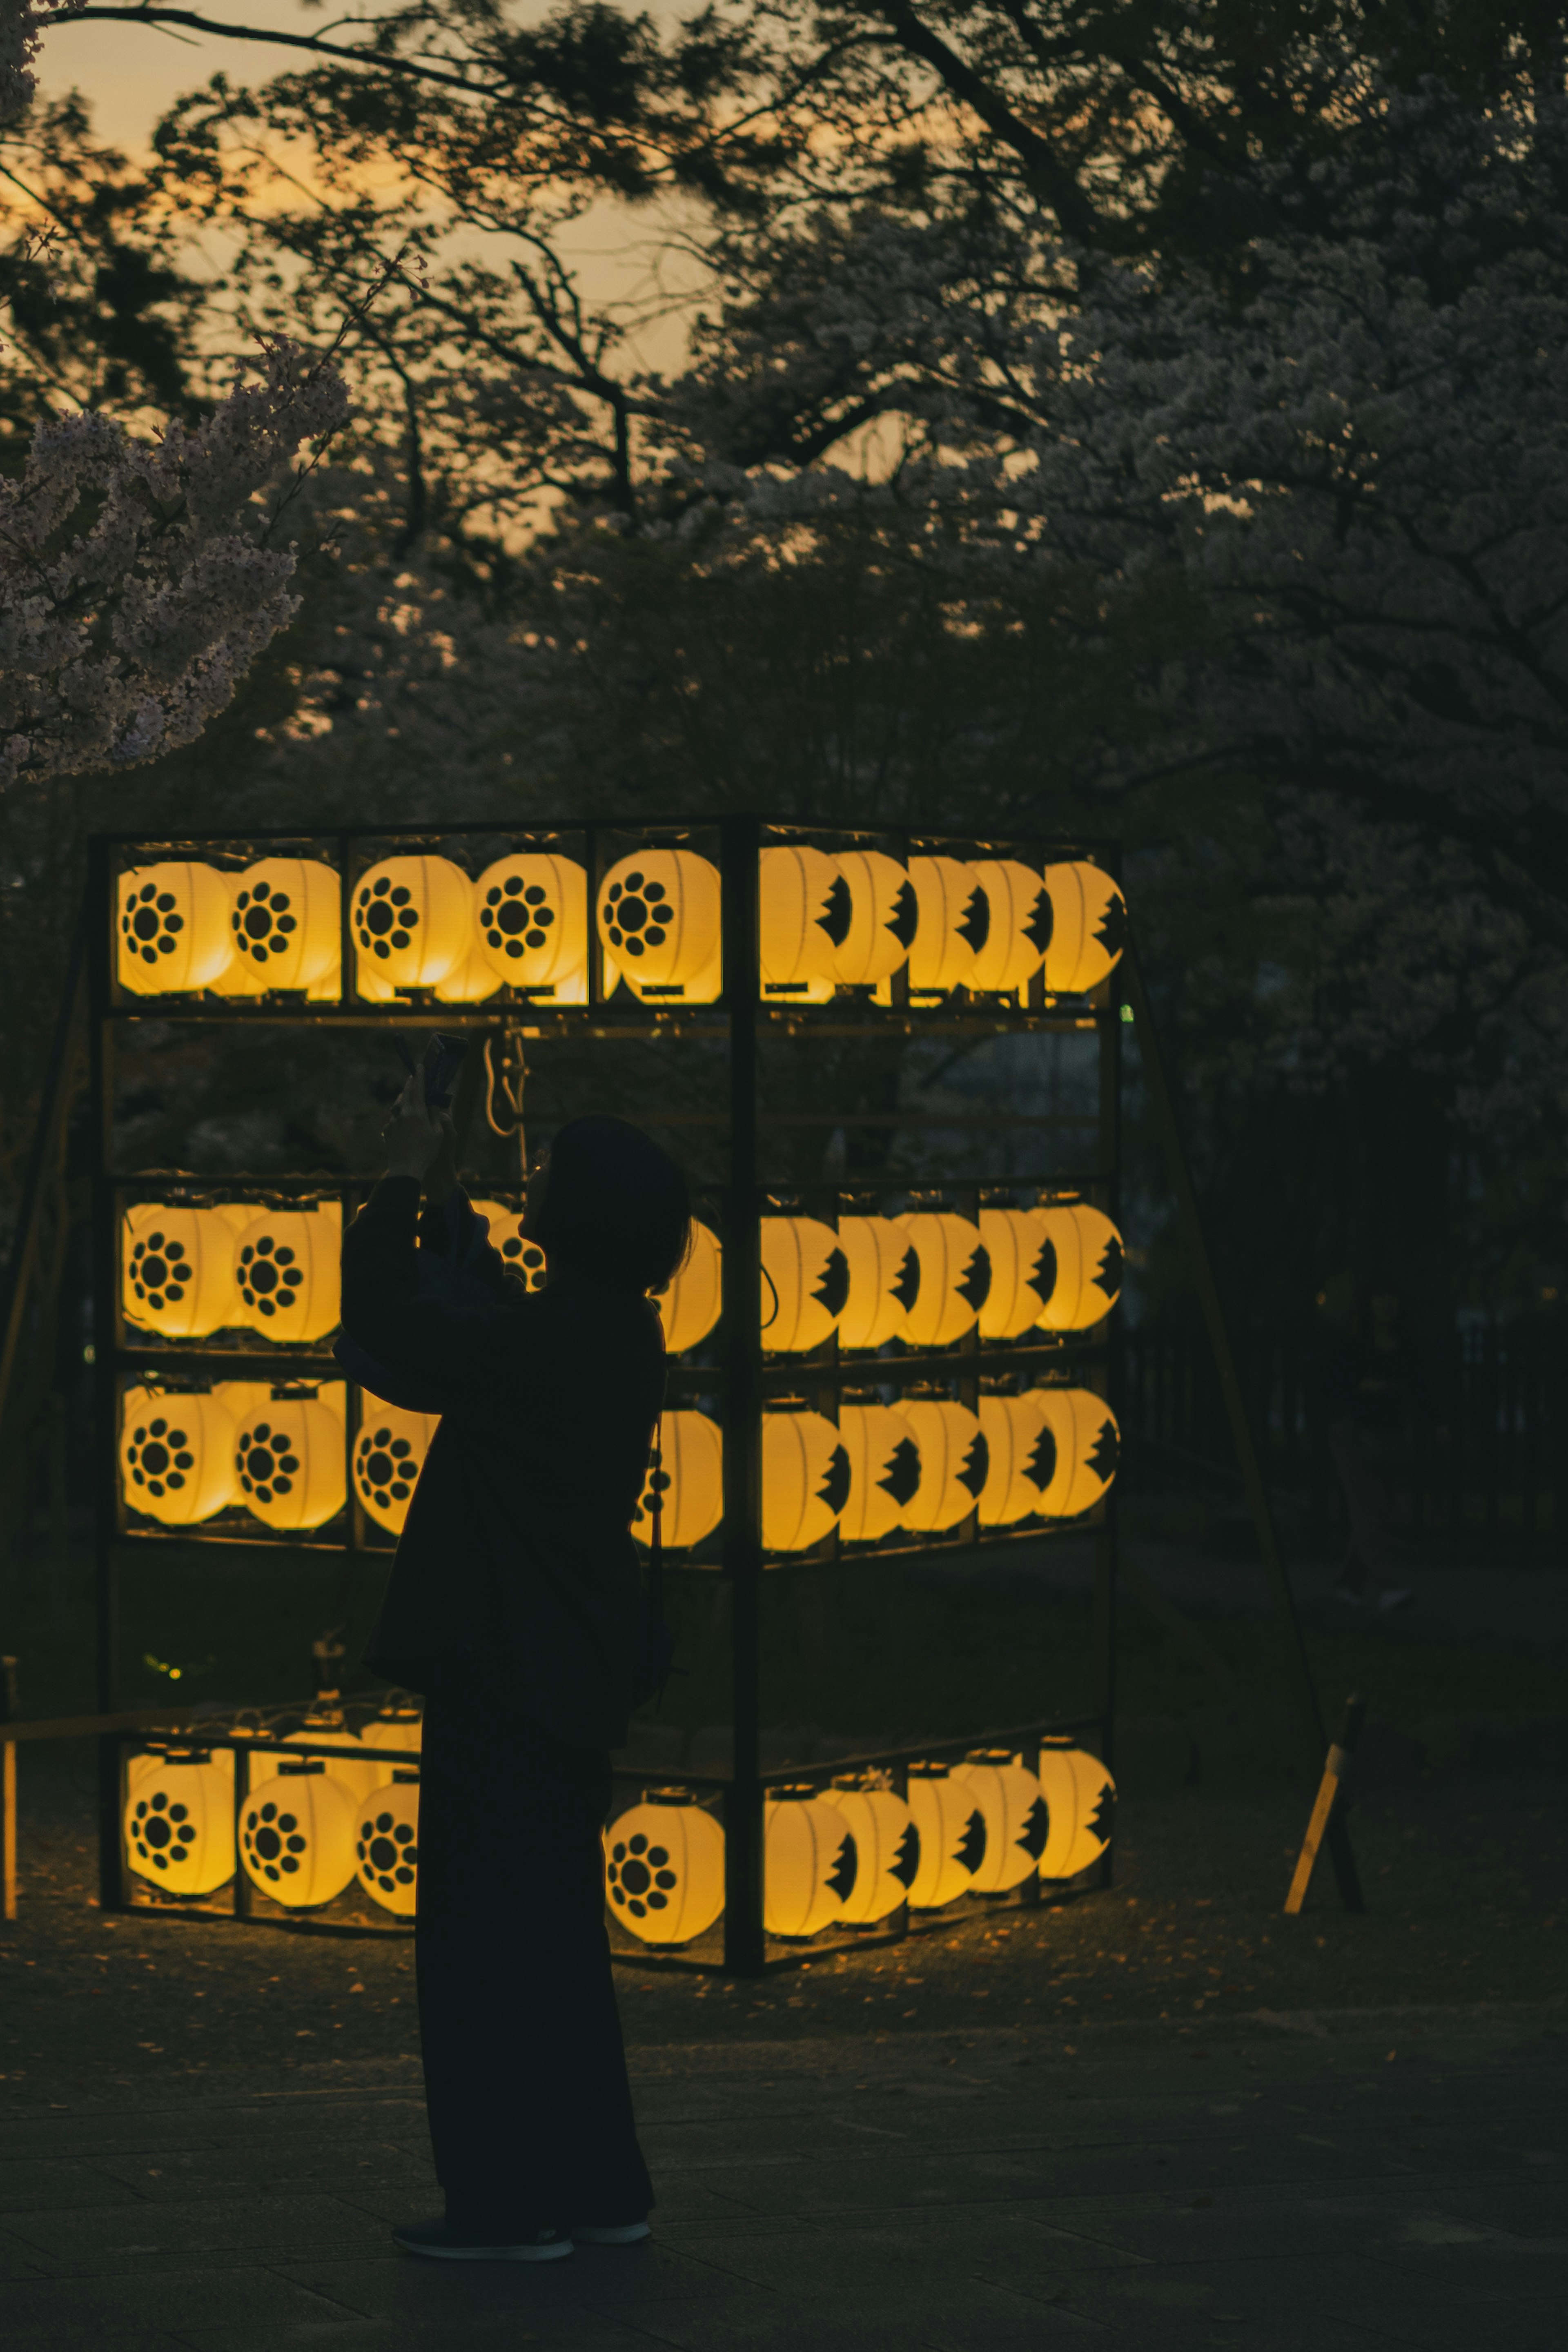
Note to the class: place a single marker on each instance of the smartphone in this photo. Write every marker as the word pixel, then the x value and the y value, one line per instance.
pixel 442 1059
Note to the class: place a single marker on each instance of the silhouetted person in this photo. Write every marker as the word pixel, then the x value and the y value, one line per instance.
pixel 515 1604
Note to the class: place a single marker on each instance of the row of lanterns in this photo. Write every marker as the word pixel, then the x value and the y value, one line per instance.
pixel 922 1465
pixel 845 1856
pixel 419 922
pixel 306 1830
pixel 185 1456
pixel 851 1854
pixel 926 1277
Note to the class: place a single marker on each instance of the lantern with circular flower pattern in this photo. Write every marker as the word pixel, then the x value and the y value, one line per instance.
pixel 659 926
pixel 684 1490
pixel 176 1270
pixel 386 1844
pixel 953 1463
pixel 1080 1804
pixel 692 1305
pixel 286 1271
pixel 884 1470
pixel 177 1457
pixel 518 1255
pixel 952 925
pixel 664 1868
pixel 297 1836
pixel 883 915
pixel 805 1479
pixel 179 1824
pixel 952 1829
pixel 1079 1430
pixel 887 1848
pixel 285 929
pixel 1080 1269
pixel 805 1282
pixel 289 1459
pixel 412 920
pixel 954 1276
pixel 884 1279
pixel 1016 1821
pixel 810 1863
pixel 531 915
pixel 389 1453
pixel 1019 929
pixel 802 919
pixel 1023 1271
pixel 173 931
pixel 327 1722
pixel 1088 928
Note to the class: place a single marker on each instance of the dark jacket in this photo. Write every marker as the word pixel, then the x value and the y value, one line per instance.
pixel 515 1562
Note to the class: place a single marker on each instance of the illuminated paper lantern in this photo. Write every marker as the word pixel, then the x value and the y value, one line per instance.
pixel 659 926
pixel 357 1779
pixel 884 1470
pixel 173 934
pixel 531 916
pixel 1023 1271
pixel 805 1271
pixel 286 1270
pixel 1088 928
pixel 955 923
pixel 1079 1434
pixel 805 1479
pixel 883 915
pixel 176 1270
pixel 285 924
pixel 412 920
pixel 177 1457
pixel 802 919
pixel 954 1280
pixel 884 1280
pixel 1022 1456
pixel 472 981
pixel 1016 1819
pixel 386 1844
pixel 691 1306
pixel 685 1489
pixel 297 1836
pixel 179 1824
pixel 289 1459
pixel 145 1760
pixel 1080 1280
pixel 1020 929
pixel 389 1453
pixel 887 1849
pixel 1080 1804
pixel 951 1830
pixel 810 1863
pixel 664 1867
pixel 953 1463
pixel 520 1256
pixel 395 1727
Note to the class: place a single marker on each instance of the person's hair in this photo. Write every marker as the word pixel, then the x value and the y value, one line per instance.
pixel 616 1207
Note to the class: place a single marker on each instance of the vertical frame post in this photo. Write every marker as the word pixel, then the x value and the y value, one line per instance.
pixel 741 843
pixel 1105 1542
pixel 111 1889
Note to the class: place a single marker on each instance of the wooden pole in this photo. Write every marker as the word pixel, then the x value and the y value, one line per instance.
pixel 1328 1822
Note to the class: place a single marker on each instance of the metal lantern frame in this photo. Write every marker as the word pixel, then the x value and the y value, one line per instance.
pixel 738 1370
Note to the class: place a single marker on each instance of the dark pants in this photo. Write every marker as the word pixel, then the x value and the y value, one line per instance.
pixel 525 2077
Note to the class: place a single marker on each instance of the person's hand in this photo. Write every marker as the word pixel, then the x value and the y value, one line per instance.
pixel 417 1138
pixel 441 1176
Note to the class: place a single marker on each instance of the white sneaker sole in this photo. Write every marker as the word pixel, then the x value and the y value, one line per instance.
pixel 599 2233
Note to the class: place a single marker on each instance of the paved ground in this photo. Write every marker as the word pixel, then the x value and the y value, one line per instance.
pixel 1331 2181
